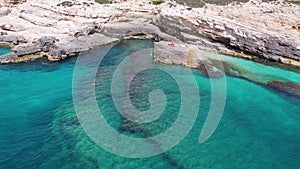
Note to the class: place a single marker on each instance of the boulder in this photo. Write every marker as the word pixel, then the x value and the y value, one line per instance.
pixel 47 40
pixel 91 28
pixel 56 53
pixel 21 39
pixel 27 49
pixel 75 46
pixel 9 38
pixel 4 37
pixel 8 58
pixel 4 11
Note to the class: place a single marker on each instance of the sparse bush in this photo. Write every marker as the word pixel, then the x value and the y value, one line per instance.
pixel 65 3
pixel 68 4
pixel 102 1
pixel 201 3
pixel 157 2
pixel 294 1
pixel 86 4
pixel 14 2
pixel 192 3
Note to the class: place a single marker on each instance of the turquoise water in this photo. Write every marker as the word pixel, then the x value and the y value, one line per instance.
pixel 4 51
pixel 260 128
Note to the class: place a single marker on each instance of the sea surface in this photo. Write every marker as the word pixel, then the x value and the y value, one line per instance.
pixel 4 51
pixel 260 128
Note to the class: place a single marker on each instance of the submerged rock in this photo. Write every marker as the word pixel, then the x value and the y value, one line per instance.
pixel 290 88
pixel 209 70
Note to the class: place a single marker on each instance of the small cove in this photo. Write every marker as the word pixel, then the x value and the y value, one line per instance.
pixel 39 127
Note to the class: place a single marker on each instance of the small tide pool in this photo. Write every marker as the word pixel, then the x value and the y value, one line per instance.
pixel 4 51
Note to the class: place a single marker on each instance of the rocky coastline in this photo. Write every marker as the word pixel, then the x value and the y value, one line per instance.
pixel 265 31
pixel 35 29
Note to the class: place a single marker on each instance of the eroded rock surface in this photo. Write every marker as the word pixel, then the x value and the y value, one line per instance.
pixel 218 32
pixel 255 28
pixel 186 55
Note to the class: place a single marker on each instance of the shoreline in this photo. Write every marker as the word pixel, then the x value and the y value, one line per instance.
pixel 43 29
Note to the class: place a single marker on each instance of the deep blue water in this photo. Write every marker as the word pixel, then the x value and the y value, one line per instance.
pixel 260 128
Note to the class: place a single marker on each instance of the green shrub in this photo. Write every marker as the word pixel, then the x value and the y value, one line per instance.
pixel 191 3
pixel 157 2
pixel 201 3
pixel 66 3
pixel 294 1
pixel 102 1
pixel 87 4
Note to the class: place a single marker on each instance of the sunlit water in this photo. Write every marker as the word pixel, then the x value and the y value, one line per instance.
pixel 260 128
pixel 4 51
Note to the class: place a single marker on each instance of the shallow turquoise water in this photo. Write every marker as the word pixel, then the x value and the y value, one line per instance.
pixel 260 128
pixel 4 51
